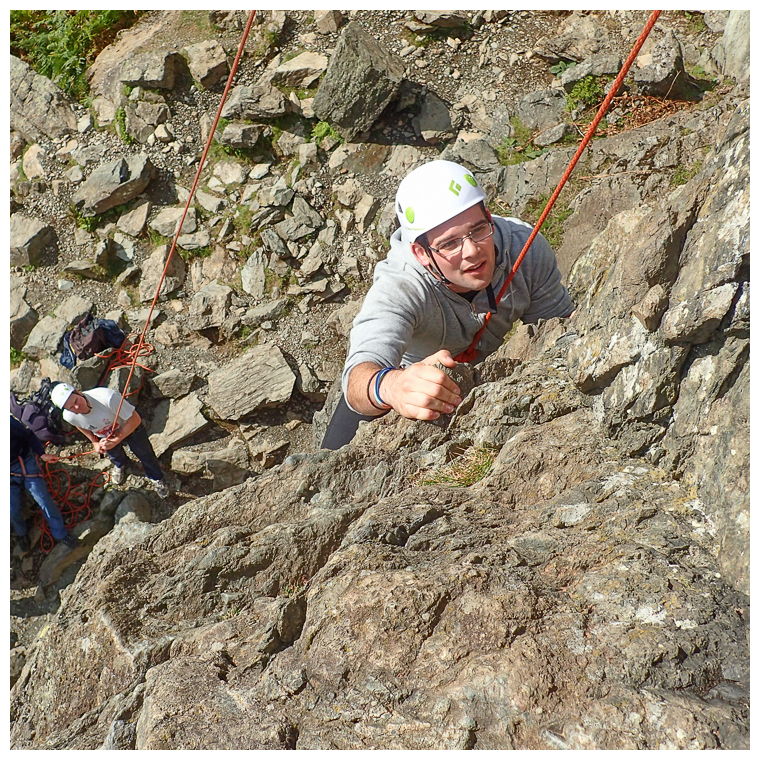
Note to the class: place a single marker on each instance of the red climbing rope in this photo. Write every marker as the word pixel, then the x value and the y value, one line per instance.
pixel 74 501
pixel 201 164
pixel 470 353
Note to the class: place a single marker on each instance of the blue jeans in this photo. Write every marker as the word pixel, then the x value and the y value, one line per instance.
pixel 139 444
pixel 38 489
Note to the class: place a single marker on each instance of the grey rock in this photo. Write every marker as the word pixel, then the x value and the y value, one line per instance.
pixel 241 135
pixel 33 162
pixel 434 122
pixel 261 377
pixel 579 37
pixel 253 275
pixel 207 62
pixel 134 506
pixel 269 311
pixel 113 184
pixel 301 71
pixel 23 318
pixel 650 310
pixel 473 150
pixel 736 44
pixel 133 222
pixel 360 81
pixel 665 76
pixel 38 107
pixel 595 65
pixel 29 239
pixel 154 69
pixel 179 335
pixel 174 421
pixel 442 19
pixel 152 270
pixel 174 383
pixel 541 109
pixel 328 22
pixel 45 337
pixel 74 309
pixel 553 135
pixel 262 101
pixel 209 306
pixel 167 221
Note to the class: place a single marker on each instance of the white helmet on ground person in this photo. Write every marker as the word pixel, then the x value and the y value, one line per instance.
pixel 60 394
pixel 433 193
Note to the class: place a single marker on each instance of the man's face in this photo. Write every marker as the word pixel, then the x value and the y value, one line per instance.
pixel 470 269
pixel 77 404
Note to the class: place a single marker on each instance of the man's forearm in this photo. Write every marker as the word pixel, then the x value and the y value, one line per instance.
pixel 359 392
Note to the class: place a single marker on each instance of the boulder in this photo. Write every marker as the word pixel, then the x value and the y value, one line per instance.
pixel 156 69
pixel 262 101
pixel 29 239
pixel 38 107
pixel 23 318
pixel 360 81
pixel 209 306
pixel 301 71
pixel 113 184
pixel 153 268
pixel 45 337
pixel 260 377
pixel 167 221
pixel 173 383
pixel 174 421
pixel 74 309
pixel 661 72
pixel 207 62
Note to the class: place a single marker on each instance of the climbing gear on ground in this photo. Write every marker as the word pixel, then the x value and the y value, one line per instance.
pixel 434 193
pixel 40 414
pixel 91 336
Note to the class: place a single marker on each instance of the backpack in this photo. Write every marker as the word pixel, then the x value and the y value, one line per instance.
pixel 90 337
pixel 40 414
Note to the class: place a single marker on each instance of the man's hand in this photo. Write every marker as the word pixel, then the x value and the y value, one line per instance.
pixel 50 458
pixel 422 391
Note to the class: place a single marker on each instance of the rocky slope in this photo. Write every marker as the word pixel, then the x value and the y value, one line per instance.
pixel 590 590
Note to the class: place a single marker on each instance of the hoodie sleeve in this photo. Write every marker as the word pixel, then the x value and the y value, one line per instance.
pixel 389 316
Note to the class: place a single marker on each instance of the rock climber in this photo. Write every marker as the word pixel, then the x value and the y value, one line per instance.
pixel 26 474
pixel 429 298
pixel 93 413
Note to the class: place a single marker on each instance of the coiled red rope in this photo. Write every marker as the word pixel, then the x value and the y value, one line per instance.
pixel 470 353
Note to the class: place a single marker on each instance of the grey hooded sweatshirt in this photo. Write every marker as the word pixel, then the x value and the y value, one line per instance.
pixel 408 314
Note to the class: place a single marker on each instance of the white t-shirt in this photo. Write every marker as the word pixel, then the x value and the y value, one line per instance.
pixel 104 403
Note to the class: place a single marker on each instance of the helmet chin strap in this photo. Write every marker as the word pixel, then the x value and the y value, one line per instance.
pixel 441 276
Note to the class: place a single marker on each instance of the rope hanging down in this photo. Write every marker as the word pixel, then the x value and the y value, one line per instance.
pixel 201 164
pixel 74 513
pixel 470 353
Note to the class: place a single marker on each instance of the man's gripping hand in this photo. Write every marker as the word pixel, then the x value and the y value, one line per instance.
pixel 422 391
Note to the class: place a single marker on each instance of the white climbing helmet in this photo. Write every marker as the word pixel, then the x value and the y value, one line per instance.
pixel 433 193
pixel 60 394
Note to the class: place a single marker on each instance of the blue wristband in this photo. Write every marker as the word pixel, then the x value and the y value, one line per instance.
pixel 378 378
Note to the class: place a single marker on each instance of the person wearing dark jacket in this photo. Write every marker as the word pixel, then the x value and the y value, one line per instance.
pixel 26 474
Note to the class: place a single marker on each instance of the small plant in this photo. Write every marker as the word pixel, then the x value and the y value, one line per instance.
pixel 588 92
pixel 197 253
pixel 295 588
pixel 682 174
pixel 323 129
pixel 464 471
pixel 88 223
pixel 120 120
pixel 553 227
pixel 16 357
pixel 61 44
pixel 560 68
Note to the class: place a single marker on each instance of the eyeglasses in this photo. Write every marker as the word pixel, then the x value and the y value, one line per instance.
pixel 452 247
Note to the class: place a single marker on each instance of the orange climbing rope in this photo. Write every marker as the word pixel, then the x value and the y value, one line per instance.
pixel 470 353
pixel 74 502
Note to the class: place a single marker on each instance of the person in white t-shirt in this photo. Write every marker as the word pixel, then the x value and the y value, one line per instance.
pixel 93 413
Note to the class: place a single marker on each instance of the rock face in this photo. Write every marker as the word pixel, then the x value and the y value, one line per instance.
pixel 360 81
pixel 562 563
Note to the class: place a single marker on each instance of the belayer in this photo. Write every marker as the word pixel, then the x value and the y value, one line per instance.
pixel 429 298
pixel 93 413
pixel 26 475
